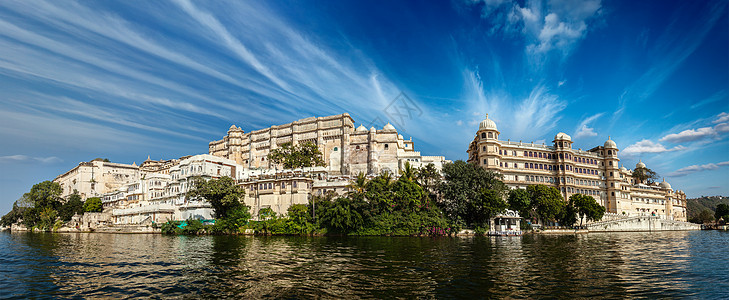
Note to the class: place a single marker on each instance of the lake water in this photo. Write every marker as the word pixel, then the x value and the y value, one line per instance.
pixel 597 265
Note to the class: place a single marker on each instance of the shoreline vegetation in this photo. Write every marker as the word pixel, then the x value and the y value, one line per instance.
pixel 418 203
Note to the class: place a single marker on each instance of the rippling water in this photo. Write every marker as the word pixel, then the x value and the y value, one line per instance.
pixel 619 265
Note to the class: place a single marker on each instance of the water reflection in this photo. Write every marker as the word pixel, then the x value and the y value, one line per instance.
pixel 670 264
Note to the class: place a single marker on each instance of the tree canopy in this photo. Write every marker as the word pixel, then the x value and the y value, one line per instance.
pixel 546 202
pixel 585 207
pixel 722 212
pixel 223 194
pixel 93 204
pixel 645 175
pixel 297 156
pixel 464 191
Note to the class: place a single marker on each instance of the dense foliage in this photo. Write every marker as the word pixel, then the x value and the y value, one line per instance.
pixel 645 175
pixel 223 194
pixel 583 206
pixel 93 204
pixel 41 207
pixel 722 212
pixel 297 156
pixel 470 194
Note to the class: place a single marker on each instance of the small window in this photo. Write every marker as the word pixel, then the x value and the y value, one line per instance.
pixel 491 135
pixel 484 161
pixel 483 135
pixel 484 149
pixel 335 148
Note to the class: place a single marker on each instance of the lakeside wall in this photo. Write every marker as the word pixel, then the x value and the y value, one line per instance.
pixel 641 223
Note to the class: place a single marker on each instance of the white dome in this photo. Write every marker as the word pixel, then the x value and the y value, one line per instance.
pixel 623 169
pixel 610 144
pixel 487 124
pixel 389 127
pixel 361 128
pixel 665 185
pixel 372 129
pixel 562 136
pixel 399 137
pixel 640 164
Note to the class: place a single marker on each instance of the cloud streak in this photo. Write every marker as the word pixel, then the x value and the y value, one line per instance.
pixel 698 168
pixel 19 158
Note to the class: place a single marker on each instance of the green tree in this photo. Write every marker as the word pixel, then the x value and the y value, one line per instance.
pixel 722 212
pixel 408 172
pixel 31 216
pixel 407 194
pixel 358 186
pixel 343 216
pixel 73 206
pixel 297 156
pixel 93 204
pixel 645 175
pixel 47 218
pixel 223 194
pixel 519 201
pixel 463 183
pixel 583 206
pixel 429 177
pixel 14 215
pixel 546 202
pixel 45 194
pixel 705 216
pixel 378 192
pixel 299 220
pixel 488 204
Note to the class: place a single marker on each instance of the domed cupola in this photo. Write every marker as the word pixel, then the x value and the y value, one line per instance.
pixel 665 185
pixel 562 137
pixel 610 144
pixel 389 127
pixel 361 129
pixel 640 164
pixel 487 124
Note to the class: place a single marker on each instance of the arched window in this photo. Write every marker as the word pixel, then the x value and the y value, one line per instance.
pixel 531 166
pixel 483 135
pixel 526 153
pixel 484 161
pixel 483 149
pixel 335 148
pixel 610 152
pixel 491 135
pixel 561 156
pixel 387 146
pixel 531 154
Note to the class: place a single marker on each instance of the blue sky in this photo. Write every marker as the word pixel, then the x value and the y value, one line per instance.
pixel 123 80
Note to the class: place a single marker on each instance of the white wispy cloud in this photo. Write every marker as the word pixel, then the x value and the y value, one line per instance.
pixel 690 135
pixel 698 168
pixel 544 25
pixel 721 118
pixel 648 146
pixel 19 158
pixel 583 130
pixel 528 118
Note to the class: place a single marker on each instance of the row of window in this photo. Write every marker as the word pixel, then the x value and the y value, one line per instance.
pixel 271 185
pixel 539 166
pixel 550 156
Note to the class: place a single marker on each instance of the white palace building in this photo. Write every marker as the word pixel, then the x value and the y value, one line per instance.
pixel 156 191
pixel 595 172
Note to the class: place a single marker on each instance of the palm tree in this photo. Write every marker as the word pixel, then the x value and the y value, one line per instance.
pixel 408 172
pixel 358 186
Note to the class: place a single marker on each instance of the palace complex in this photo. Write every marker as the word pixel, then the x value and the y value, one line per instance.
pixel 595 172
pixel 155 191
